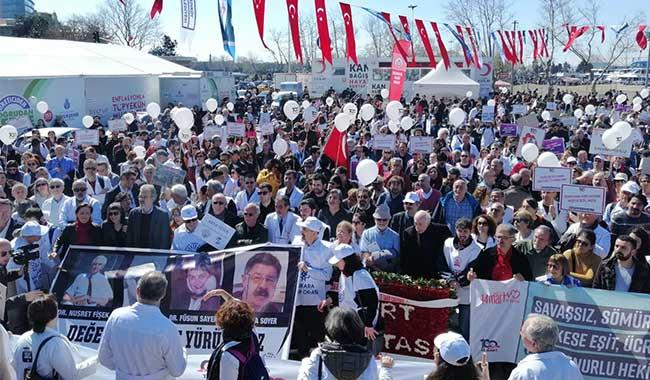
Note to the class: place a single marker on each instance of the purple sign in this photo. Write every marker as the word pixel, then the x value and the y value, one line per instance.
pixel 508 130
pixel 555 145
pixel 623 108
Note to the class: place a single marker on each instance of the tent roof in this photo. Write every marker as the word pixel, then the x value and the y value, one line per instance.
pixel 37 58
pixel 441 76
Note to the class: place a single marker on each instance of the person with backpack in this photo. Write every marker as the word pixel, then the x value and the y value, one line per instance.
pixel 42 353
pixel 238 356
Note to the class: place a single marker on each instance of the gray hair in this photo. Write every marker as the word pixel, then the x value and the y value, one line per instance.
pixel 153 287
pixel 254 207
pixel 545 229
pixel 508 228
pixel 343 325
pixel 80 182
pixel 149 167
pixel 179 190
pixel 56 181
pixel 215 185
pixel 542 330
pixel 150 188
pixel 396 161
pixel 423 214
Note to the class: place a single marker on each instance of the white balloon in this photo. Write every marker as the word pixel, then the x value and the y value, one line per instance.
pixel 623 129
pixel 546 116
pixel 394 126
pixel 590 109
pixel 367 172
pixel 329 101
pixel 291 109
pixel 184 135
pixel 128 117
pixel 407 123
pixel 610 139
pixel 567 98
pixel 184 118
pixel 394 110
pixel 230 106
pixel 42 107
pixel 384 93
pixel 140 151
pixel 305 103
pixel 153 109
pixel 578 113
pixel 280 147
pixel 457 117
pixel 367 112
pixel 342 122
pixel 621 98
pixel 469 94
pixel 173 112
pixel 548 159
pixel 219 119
pixel 87 121
pixel 8 134
pixel 637 100
pixel 645 93
pixel 351 110
pixel 309 114
pixel 637 107
pixel 211 104
pixel 529 152
pixel 491 102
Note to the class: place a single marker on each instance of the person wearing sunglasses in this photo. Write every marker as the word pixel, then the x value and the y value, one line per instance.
pixel 114 227
pixel 583 261
pixel 220 210
pixel 267 205
pixel 67 214
pixel 557 272
pixel 250 231
pixel 502 262
pixel 523 221
pixel 185 238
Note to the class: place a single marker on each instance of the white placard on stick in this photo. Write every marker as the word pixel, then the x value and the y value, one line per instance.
pixel 421 144
pixel 597 147
pixel 383 142
pixel 581 198
pixel 529 120
pixel 86 137
pixel 487 113
pixel 266 125
pixel 117 125
pixel 550 179
pixel 530 135
pixel 569 120
pixel 212 130
pixel 551 106
pixel 236 129
pixel 214 232
pixel 519 109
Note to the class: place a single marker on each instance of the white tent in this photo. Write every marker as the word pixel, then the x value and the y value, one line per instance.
pixel 441 82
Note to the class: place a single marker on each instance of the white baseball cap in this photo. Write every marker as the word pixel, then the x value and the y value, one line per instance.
pixel 411 197
pixel 620 177
pixel 32 228
pixel 189 212
pixel 631 187
pixel 453 348
pixel 341 251
pixel 311 223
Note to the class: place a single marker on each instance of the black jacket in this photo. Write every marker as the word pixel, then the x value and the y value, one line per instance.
pixel 400 222
pixel 112 238
pixel 422 256
pixel 484 264
pixel 605 277
pixel 159 234
pixel 68 237
pixel 110 197
pixel 245 235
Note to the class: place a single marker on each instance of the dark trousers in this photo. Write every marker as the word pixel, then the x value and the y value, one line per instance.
pixel 308 330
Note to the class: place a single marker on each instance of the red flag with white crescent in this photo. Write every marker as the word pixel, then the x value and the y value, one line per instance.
pixel 426 42
pixel 405 25
pixel 258 7
pixel 157 7
pixel 576 32
pixel 521 46
pixel 292 11
pixel 475 49
pixel 323 30
pixel 350 44
pixel 441 46
pixel 397 71
pixel 336 148
pixel 641 39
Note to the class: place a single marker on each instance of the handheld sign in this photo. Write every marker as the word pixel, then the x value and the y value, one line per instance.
pixel 550 179
pixel 236 129
pixel 117 125
pixel 421 144
pixel 168 176
pixel 530 135
pixel 214 232
pixel 86 137
pixel 597 147
pixel 519 109
pixel 581 198
pixel 266 125
pixel 508 130
pixel 555 145
pixel 383 142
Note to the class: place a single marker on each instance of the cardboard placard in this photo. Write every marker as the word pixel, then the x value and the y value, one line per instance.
pixel 581 198
pixel 551 106
pixel 597 147
pixel 212 130
pixel 508 130
pixel 519 109
pixel 86 137
pixel 529 120
pixel 236 129
pixel 530 135
pixel 569 120
pixel 383 142
pixel 168 176
pixel 555 145
pixel 117 125
pixel 214 232
pixel 550 179
pixel 266 125
pixel 421 144
pixel 487 113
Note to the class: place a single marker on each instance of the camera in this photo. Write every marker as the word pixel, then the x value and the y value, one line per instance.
pixel 24 254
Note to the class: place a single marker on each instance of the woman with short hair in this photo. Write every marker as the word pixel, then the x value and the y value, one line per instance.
pixel 114 227
pixel 483 230
pixel 523 222
pixel 558 272
pixel 583 262
pixel 81 232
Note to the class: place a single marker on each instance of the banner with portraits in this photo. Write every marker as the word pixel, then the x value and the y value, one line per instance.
pixel 92 282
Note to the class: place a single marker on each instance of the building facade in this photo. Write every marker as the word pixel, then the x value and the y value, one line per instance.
pixel 16 8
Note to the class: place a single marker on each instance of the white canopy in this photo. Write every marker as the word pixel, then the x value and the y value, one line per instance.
pixel 24 58
pixel 441 82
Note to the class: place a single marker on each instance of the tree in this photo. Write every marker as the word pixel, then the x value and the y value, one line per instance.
pixel 129 24
pixel 87 28
pixel 166 48
pixel 584 67
pixel 37 25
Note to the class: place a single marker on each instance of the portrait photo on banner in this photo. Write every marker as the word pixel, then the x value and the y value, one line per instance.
pixel 191 277
pixel 137 268
pixel 260 278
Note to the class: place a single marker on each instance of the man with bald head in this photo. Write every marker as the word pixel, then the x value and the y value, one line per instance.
pixel 421 246
pixel 455 205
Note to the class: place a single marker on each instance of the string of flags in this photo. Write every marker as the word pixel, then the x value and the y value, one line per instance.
pixel 510 44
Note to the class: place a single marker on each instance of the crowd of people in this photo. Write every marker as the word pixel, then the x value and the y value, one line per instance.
pixel 465 211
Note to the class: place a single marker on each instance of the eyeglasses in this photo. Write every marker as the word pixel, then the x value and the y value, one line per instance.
pixel 79 190
pixel 501 237
pixel 249 182
pixel 249 214
pixel 259 279
pixel 113 213
pixel 218 203
pixel 41 184
pixel 31 164
pixel 551 266
pixel 91 168
pixel 381 220
pixel 482 223
pixel 521 221
pixel 263 193
pixel 55 186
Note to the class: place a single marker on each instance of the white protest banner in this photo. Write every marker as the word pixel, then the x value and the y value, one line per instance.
pixel 83 322
pixel 22 124
pixel 597 147
pixel 529 120
pixel 168 176
pixel 550 179
pixel 86 137
pixel 519 109
pixel 581 198
pixel 487 113
pixel 214 232
pixel 236 129
pixel 188 21
pixel 212 130
pixel 551 106
pixel 421 144
pixel 266 125
pixel 531 135
pixel 117 125
pixel 383 142
pixel 569 120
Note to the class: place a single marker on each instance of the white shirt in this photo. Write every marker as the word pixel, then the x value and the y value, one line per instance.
pixel 100 289
pixel 294 198
pixel 560 222
pixel 139 342
pixel 57 354
pixel 311 285
pixel 458 260
pixel 289 228
pixel 349 286
pixel 98 192
pixel 6 355
pixel 546 366
pixel 67 213
pixel 231 188
pixel 52 209
pixel 242 199
pixel 185 240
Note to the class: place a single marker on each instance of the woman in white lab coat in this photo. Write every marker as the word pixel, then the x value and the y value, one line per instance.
pixel 48 350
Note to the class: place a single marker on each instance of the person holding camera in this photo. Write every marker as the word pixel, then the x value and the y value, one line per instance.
pixel 27 257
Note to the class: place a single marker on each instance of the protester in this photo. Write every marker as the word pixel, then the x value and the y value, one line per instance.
pixel 455 205
pixel 624 221
pixel 82 232
pixel 379 244
pixel 558 272
pixel 538 250
pixel 282 223
pixel 583 261
pixel 404 219
pixel 623 272
pixel 113 229
pixel 453 360
pixel 483 230
pixel 503 261
pixel 250 231
pixel 148 224
pixel 68 210
pixel 421 247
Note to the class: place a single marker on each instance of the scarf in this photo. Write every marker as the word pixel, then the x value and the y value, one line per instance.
pixel 83 233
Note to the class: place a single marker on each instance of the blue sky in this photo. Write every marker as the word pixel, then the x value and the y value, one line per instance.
pixel 207 39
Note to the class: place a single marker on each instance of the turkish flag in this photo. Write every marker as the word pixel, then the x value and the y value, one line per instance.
pixel 426 42
pixel 575 34
pixel 441 46
pixel 336 148
pixel 641 39
pixel 405 25
pixel 156 8
pixel 292 10
pixel 323 30
pixel 542 43
pixel 533 37
pixel 258 7
pixel 350 44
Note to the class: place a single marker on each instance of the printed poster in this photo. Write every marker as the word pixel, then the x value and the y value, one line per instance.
pixel 581 198
pixel 530 135
pixel 550 179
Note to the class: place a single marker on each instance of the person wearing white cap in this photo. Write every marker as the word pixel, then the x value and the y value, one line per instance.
pixel 184 237
pixel 379 244
pixel 35 276
pixel 404 219
pixel 315 272
pixel 624 193
pixel 622 223
pixel 539 335
pixel 453 360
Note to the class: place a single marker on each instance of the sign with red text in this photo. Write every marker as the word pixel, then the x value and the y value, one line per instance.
pixel 530 135
pixel 550 179
pixel 398 70
pixel 581 198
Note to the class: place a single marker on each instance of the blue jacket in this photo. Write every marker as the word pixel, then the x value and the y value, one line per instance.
pixel 440 212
